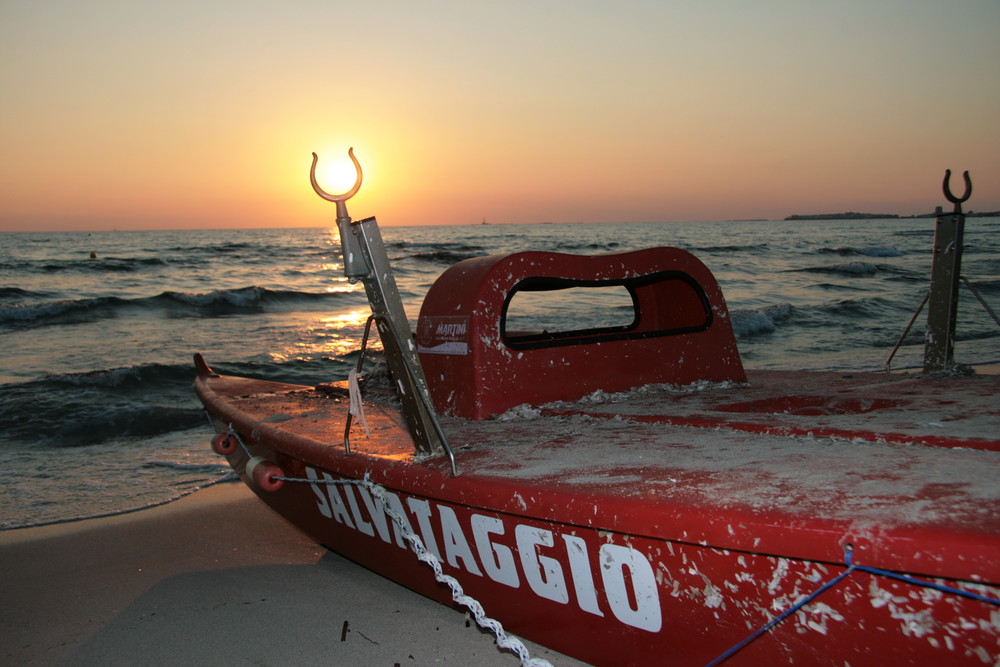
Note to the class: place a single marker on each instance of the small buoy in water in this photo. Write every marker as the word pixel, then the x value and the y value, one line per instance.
pixel 93 255
pixel 264 474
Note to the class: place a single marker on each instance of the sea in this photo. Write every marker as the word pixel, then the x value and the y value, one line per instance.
pixel 97 330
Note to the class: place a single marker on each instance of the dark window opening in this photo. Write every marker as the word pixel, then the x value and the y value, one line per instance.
pixel 545 312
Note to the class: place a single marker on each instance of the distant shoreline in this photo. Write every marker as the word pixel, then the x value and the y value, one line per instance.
pixel 851 215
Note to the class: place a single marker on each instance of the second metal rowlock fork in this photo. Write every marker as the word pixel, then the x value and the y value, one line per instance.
pixel 946 273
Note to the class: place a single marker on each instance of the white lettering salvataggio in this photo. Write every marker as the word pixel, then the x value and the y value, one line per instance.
pixel 544 558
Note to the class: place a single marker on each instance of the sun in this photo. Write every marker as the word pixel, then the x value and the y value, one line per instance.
pixel 336 174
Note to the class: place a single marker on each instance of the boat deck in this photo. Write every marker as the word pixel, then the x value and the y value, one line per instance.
pixel 883 462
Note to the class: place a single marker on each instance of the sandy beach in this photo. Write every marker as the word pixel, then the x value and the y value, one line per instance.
pixel 216 578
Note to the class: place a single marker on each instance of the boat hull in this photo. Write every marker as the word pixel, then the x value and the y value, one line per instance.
pixel 583 587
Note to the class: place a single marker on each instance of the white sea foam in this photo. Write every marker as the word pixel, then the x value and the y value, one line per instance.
pixel 762 320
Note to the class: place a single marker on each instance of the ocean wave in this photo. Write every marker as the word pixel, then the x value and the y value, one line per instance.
pixel 987 285
pixel 191 467
pixel 866 251
pixel 124 376
pixel 437 253
pixel 252 298
pixel 850 268
pixel 120 264
pixel 216 302
pixel 78 419
pixel 751 322
pixel 245 298
pixel 751 248
pixel 927 231
pixel 17 294
pixel 583 247
pixel 293 371
pixel 448 257
pixel 416 245
pixel 167 377
pixel 80 409
pixel 230 247
pixel 82 503
pixel 239 252
pixel 218 248
pixel 88 264
pixel 66 311
pixel 159 259
pixel 856 312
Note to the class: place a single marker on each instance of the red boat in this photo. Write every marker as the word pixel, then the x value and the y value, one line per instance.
pixel 629 494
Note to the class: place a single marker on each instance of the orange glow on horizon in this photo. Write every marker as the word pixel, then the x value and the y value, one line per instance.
pixel 577 113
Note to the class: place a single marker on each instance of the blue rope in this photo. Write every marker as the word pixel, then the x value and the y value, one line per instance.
pixel 923 582
pixel 785 614
pixel 851 567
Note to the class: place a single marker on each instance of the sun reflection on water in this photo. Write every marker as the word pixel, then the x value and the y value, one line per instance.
pixel 339 335
pixel 354 318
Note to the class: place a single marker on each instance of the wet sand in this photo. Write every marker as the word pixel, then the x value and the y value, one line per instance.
pixel 216 579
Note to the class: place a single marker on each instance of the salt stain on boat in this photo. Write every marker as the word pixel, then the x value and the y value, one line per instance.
pixel 713 597
pixel 520 501
pixel 780 570
pixel 819 615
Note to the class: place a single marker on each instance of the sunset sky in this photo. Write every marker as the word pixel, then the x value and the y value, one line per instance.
pixel 134 114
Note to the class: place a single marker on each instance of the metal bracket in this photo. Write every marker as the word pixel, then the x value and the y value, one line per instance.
pixel 361 361
pixel 952 198
pixel 939 346
pixel 365 259
pixel 354 263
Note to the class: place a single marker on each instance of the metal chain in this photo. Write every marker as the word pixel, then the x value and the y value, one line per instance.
pixel 504 641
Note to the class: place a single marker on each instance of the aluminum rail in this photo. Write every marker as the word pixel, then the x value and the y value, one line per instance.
pixel 365 259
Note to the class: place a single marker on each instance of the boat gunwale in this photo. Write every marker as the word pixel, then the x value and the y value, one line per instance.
pixel 823 540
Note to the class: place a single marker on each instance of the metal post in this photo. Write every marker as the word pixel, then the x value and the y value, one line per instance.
pixel 946 267
pixel 397 341
pixel 946 271
pixel 365 259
